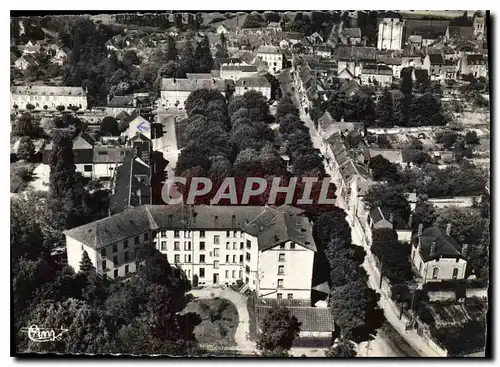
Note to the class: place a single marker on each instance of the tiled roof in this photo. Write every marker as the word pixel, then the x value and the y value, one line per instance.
pixel 244 68
pixel 413 26
pixel 311 318
pixel 475 59
pixel 445 246
pixel 377 214
pixel 47 90
pixel 436 59
pixel 352 32
pixel 113 154
pixel 356 53
pixel 121 101
pixel 377 69
pixel 415 39
pixel 458 31
pixel 189 85
pixel 389 60
pixel 272 226
pixel 268 50
pixel 199 75
pixel 253 82
pixel 421 75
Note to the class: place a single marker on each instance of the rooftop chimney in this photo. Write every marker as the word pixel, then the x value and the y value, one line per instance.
pixel 433 249
pixel 448 229
pixel 464 250
pixel 420 229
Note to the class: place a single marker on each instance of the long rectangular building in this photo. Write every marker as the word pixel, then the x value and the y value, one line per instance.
pixel 269 249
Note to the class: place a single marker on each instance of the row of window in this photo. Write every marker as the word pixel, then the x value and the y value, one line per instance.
pixel 127 256
pixel 289 296
pixel 187 246
pixel 125 245
pixel 435 272
pixel 188 258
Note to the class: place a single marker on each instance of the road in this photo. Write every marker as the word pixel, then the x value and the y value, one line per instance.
pixel 167 144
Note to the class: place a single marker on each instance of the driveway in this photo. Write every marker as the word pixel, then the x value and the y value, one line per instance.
pixel 244 345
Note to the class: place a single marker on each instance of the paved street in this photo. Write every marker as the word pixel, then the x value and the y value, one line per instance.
pixel 167 144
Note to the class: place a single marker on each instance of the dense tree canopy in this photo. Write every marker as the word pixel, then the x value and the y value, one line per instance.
pixel 279 330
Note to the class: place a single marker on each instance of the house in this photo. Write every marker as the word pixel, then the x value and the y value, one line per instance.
pixel 291 37
pixel 437 256
pixel 345 75
pixel 131 184
pixel 327 126
pixel 414 43
pixel 350 36
pixel 317 323
pixel 272 55
pixel 236 72
pixel 393 62
pixel 434 64
pixel 411 61
pixel 61 56
pixel 478 26
pixel 127 103
pixel 257 83
pixel 379 218
pixel 138 125
pixel 390 34
pixel 449 70
pixel 41 95
pixel 376 73
pixel 353 58
pixel 323 50
pixel 350 88
pixel 24 61
pixel 457 201
pixel 275 26
pixel 174 92
pixel 222 28
pixel 429 29
pixel 476 65
pixel 270 249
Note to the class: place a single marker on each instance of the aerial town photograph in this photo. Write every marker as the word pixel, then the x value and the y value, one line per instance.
pixel 250 184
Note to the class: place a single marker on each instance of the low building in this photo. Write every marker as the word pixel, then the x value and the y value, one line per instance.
pixel 437 256
pixel 457 201
pixel 270 249
pixel 390 34
pixel 61 56
pixel 40 96
pixel 275 26
pixel 434 64
pixel 259 84
pixel 235 72
pixel 174 92
pixel 476 65
pixel 272 55
pixel 24 61
pixel 459 32
pixel 222 28
pixel 376 73
pixel 353 58
pixel 323 50
pixel 350 36
pixel 393 62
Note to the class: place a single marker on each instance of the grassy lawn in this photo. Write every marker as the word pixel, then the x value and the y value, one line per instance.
pixel 219 320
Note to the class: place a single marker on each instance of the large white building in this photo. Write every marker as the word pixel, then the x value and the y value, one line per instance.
pixel 272 55
pixel 390 34
pixel 40 96
pixel 269 249
pixel 259 84
pixel 174 92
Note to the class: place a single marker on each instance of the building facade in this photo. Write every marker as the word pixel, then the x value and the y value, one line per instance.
pixel 174 92
pixel 40 96
pixel 272 55
pixel 390 34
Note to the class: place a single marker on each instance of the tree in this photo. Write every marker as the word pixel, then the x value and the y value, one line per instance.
pixel 203 56
pixel 385 109
pixel 26 149
pixel 171 54
pixel 172 70
pixel 60 108
pixel 279 330
pixel 391 198
pixel 86 265
pixel 342 348
pixel 109 126
pixel 471 138
pixel 466 225
pixel 130 58
pixel 383 170
pixel 424 214
pixel 30 107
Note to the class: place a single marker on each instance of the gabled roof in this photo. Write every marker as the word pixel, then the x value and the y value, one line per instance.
pixel 421 75
pixel 345 74
pixel 436 59
pixel 312 319
pixel 121 101
pixel 460 31
pixel 378 214
pixel 352 32
pixel 445 246
pixel 271 226
pixel 345 52
pixel 475 59
pixel 268 49
pixel 243 68
pixel 189 85
pixel 253 82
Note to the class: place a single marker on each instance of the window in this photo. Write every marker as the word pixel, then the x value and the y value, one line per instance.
pixel 202 234
pixel 241 274
pixel 104 266
pixel 282 245
pixel 202 272
pixel 227 274
pixel 164 245
pixel 248 256
pixel 247 269
pixel 177 259
pixel 280 283
pixel 281 270
pixel 177 245
pixel 87 168
pixel 247 280
pixel 126 269
pixel 228 245
pixel 187 234
pixel 216 240
pixel 115 273
pixel 115 261
pixel 187 258
pixel 235 246
pixel 234 274
pixel 281 257
pixel 187 245
pixel 176 234
pixel 216 264
pixel 234 258
pixel 202 258
pixel 241 245
pixel 279 296
pixel 455 273
pixel 289 296
pixel 115 248
pixel 136 240
pixel 146 236
pixel 103 252
pixel 228 233
pixel 292 246
pixel 227 258
pixel 125 244
pixel 435 273
pixel 163 233
pixel 202 245
pixel 420 268
pixel 126 256
pixel 241 259
pixel 234 233
pixel 216 252
pixel 249 244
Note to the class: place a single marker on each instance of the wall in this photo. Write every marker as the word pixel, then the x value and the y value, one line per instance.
pixel 458 201
pixel 74 251
pixel 51 100
pixel 382 79
pixel 236 74
pixel 274 61
pixel 298 267
pixel 450 295
pixel 445 267
pixel 169 98
pixel 266 91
